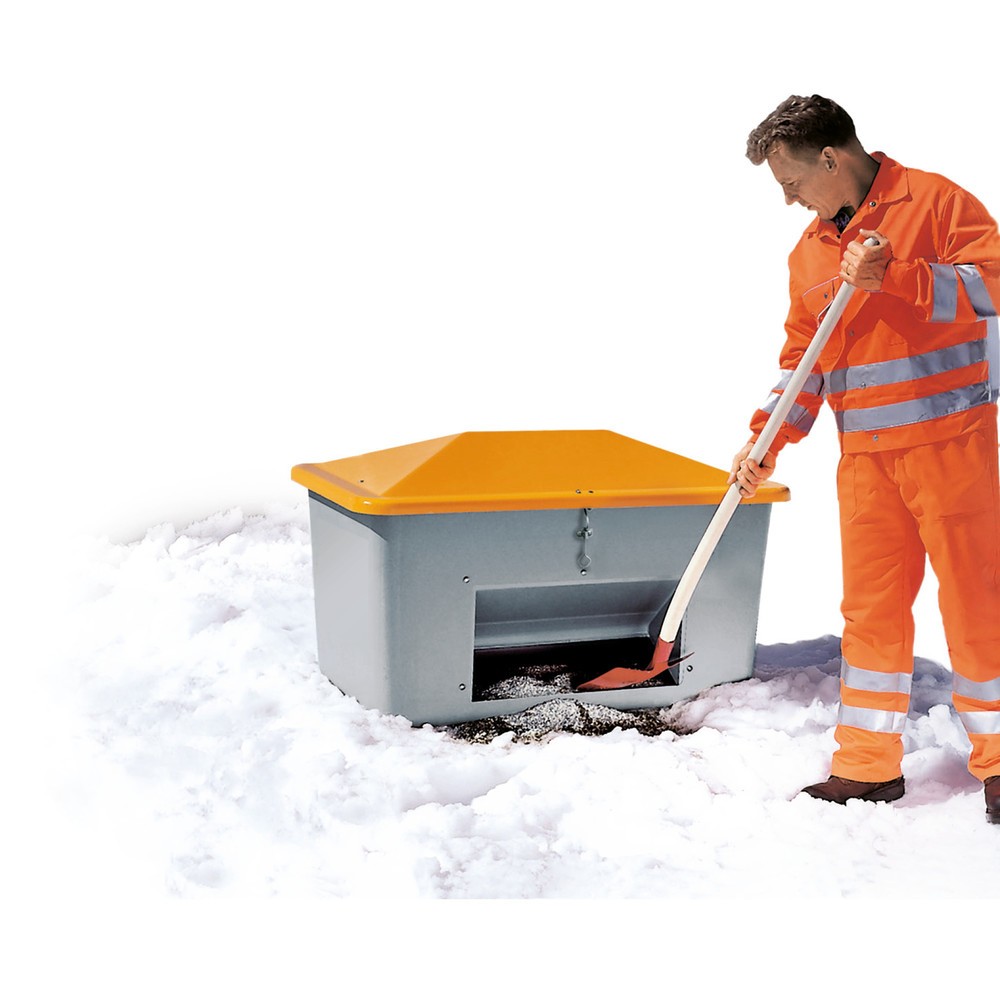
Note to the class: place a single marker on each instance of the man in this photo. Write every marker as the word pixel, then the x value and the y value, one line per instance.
pixel 911 372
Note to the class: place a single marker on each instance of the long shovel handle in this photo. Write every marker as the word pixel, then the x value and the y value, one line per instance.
pixel 692 575
pixel 619 677
pixel 803 369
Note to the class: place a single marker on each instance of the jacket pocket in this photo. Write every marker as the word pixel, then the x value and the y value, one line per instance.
pixel 846 490
pixel 819 298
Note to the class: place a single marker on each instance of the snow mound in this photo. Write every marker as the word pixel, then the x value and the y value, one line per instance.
pixel 211 756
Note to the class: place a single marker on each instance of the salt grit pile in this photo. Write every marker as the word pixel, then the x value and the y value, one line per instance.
pixel 212 758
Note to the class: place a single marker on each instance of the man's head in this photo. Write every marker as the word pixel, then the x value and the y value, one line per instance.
pixel 802 126
pixel 813 151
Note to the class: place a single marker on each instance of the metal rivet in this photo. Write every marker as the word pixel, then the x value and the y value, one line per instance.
pixel 871 204
pixel 465 579
pixel 583 572
pixel 461 687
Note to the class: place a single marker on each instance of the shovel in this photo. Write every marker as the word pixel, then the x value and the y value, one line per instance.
pixel 620 677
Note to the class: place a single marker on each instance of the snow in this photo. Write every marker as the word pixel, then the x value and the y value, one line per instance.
pixel 186 746
pixel 235 768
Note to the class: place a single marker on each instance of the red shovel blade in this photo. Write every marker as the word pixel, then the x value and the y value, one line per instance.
pixel 620 677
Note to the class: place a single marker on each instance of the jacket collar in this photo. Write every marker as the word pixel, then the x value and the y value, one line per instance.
pixel 890 185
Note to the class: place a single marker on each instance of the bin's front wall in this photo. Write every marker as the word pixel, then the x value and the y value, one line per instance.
pixel 397 616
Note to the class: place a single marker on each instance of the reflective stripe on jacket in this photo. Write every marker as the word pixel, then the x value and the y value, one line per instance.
pixel 918 361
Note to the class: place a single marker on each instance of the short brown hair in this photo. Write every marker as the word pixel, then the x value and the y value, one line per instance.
pixel 801 124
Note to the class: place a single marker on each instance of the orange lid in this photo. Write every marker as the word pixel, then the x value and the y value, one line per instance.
pixel 518 470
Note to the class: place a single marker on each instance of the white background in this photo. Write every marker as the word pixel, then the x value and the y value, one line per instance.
pixel 240 236
pixel 237 237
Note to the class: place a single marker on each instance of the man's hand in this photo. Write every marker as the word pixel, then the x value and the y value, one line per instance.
pixel 748 473
pixel 864 267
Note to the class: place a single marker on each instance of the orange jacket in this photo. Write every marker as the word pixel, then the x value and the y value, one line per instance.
pixel 918 361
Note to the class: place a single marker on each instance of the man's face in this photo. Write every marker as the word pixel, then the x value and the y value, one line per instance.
pixel 809 179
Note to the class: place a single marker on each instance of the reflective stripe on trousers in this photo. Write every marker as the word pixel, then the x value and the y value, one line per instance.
pixel 859 682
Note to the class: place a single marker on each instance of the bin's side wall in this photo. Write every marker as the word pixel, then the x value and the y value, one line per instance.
pixel 349 576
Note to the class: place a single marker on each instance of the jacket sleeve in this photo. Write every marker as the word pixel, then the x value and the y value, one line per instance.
pixel 963 284
pixel 800 327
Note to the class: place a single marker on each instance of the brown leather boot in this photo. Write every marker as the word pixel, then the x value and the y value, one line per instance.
pixel 991 786
pixel 841 790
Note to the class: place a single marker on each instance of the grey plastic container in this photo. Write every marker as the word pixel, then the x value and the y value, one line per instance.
pixel 444 617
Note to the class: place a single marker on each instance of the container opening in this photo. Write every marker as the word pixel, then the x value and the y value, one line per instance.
pixel 537 641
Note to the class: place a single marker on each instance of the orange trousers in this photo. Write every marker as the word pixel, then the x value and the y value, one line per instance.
pixel 937 500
